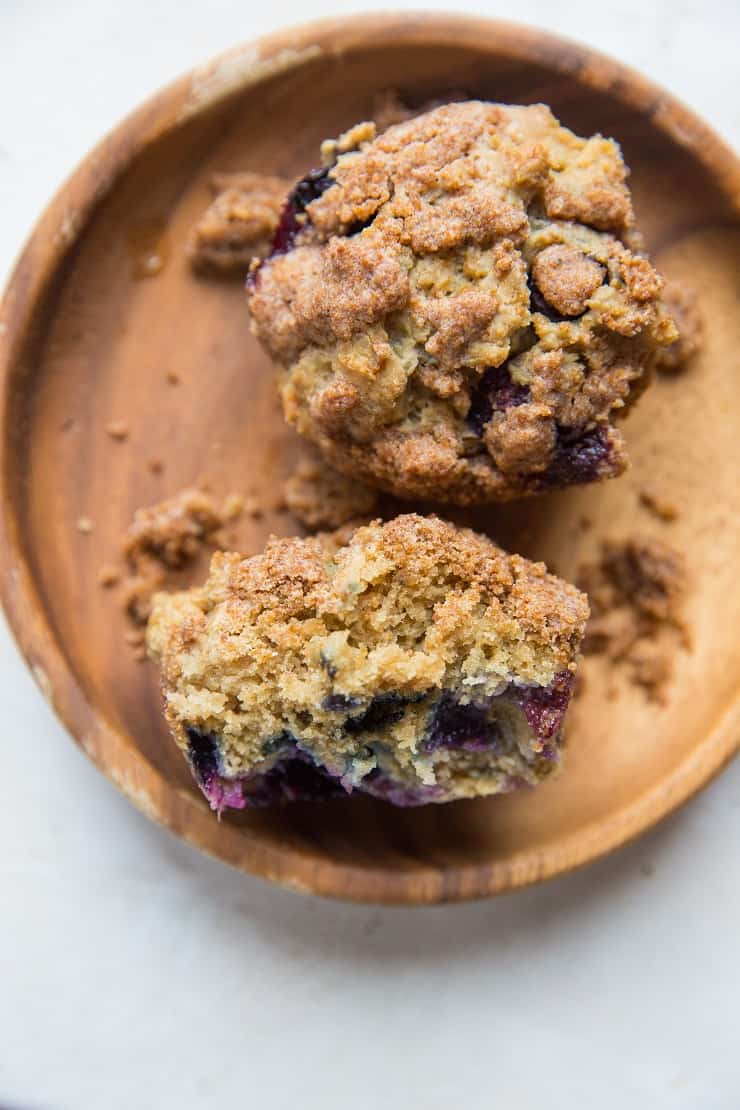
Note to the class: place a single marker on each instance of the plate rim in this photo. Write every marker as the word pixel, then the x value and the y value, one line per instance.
pixel 55 233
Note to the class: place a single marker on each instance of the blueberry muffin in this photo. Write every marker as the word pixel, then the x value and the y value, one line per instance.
pixel 413 661
pixel 458 306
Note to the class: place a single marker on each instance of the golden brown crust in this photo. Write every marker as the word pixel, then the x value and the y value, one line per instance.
pixel 440 249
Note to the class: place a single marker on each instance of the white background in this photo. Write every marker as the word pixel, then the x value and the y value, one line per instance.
pixel 135 973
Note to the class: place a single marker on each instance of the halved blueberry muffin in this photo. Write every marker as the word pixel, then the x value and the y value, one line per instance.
pixel 413 660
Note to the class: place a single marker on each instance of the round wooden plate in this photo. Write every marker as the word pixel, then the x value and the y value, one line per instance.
pixel 86 341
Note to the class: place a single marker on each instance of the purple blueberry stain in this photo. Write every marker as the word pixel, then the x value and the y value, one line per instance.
pixel 471 727
pixel 494 392
pixel 203 753
pixel 294 778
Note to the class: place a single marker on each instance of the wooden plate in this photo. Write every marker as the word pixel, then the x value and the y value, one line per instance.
pixel 85 341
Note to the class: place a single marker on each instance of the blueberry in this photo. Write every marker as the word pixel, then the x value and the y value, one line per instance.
pixel 296 779
pixel 577 458
pixel 203 754
pixel 468 727
pixel 494 392
pixel 328 666
pixel 308 189
pixel 385 709
pixel 359 225
pixel 545 706
pixel 337 702
pixel 277 743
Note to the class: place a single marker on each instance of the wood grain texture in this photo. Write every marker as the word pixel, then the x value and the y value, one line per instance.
pixel 84 342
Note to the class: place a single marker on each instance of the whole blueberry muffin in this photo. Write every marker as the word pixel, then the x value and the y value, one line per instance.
pixel 413 660
pixel 458 306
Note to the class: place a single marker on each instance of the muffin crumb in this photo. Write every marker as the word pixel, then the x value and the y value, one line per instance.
pixel 321 497
pixel 169 536
pixel 239 224
pixel 109 576
pixel 681 304
pixel 118 430
pixel 637 589
pixel 659 505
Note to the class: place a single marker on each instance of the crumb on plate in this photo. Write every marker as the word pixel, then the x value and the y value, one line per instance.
pixel 637 589
pixel 239 224
pixel 321 497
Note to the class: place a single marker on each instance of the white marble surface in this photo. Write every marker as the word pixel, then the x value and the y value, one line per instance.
pixel 136 973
